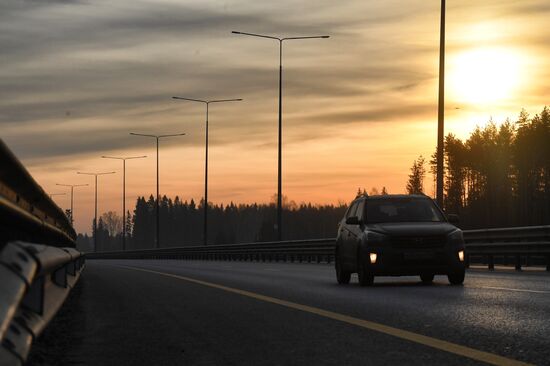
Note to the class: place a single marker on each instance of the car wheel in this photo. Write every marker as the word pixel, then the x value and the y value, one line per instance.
pixel 427 277
pixel 342 276
pixel 456 278
pixel 366 278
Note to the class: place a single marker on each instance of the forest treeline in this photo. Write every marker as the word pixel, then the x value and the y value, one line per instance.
pixel 498 177
pixel 181 224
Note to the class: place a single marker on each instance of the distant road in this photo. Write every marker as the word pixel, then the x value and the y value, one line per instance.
pixel 239 313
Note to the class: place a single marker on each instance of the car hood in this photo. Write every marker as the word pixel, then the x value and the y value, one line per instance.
pixel 412 228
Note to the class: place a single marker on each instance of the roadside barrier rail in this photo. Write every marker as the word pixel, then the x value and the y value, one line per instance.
pixel 26 211
pixel 320 250
pixel 38 262
pixel 35 280
pixel 481 246
pixel 521 244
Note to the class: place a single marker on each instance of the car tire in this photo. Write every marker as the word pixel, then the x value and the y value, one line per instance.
pixel 365 277
pixel 427 278
pixel 342 276
pixel 456 278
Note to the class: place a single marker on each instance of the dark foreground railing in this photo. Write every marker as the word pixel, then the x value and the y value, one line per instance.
pixel 26 212
pixel 525 245
pixel 34 278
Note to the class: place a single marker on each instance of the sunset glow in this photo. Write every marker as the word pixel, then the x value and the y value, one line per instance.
pixel 358 108
pixel 486 76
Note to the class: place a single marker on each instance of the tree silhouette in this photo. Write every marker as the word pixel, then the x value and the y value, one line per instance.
pixel 498 176
pixel 112 223
pixel 415 185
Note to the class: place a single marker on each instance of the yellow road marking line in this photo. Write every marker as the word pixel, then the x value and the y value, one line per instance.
pixel 457 349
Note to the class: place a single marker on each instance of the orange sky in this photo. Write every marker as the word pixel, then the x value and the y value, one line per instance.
pixel 358 107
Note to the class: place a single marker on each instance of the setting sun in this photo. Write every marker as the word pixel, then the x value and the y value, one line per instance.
pixel 485 75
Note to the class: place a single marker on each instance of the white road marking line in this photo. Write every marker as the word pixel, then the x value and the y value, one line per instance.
pixel 509 289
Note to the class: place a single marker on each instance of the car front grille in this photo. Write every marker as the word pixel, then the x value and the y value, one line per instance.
pixel 417 242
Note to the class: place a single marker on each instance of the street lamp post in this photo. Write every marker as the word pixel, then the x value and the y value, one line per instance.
pixel 279 160
pixel 72 195
pixel 124 192
pixel 157 137
pixel 441 109
pixel 207 103
pixel 95 212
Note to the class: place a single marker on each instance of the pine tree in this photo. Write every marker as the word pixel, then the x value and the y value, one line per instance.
pixel 415 185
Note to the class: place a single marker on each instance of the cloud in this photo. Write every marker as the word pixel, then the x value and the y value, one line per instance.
pixel 78 75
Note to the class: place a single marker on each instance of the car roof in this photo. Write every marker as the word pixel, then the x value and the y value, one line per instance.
pixel 392 196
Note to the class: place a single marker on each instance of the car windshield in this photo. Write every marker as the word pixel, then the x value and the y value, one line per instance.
pixel 402 210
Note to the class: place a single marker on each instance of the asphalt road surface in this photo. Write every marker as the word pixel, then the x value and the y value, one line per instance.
pixel 171 312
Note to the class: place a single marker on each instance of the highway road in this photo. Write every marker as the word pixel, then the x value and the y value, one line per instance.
pixel 170 312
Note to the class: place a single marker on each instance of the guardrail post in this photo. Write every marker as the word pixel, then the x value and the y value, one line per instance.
pixel 34 300
pixel 491 262
pixel 59 277
pixel 518 262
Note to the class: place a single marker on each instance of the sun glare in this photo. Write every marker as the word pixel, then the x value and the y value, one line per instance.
pixel 485 75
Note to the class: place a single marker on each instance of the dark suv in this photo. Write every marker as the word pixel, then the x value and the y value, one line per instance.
pixel 398 235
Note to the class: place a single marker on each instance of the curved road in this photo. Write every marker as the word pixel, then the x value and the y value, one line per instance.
pixel 171 312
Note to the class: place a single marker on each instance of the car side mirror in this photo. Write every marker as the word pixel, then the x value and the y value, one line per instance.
pixel 353 220
pixel 453 219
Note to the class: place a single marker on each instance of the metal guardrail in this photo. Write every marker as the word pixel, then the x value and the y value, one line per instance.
pixel 480 244
pixel 35 280
pixel 26 211
pixel 320 250
pixel 519 243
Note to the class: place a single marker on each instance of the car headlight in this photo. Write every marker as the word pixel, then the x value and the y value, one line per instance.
pixel 456 237
pixel 376 238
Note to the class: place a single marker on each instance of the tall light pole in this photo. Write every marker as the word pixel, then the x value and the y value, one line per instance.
pixel 441 109
pixel 279 160
pixel 95 212
pixel 207 103
pixel 157 137
pixel 72 195
pixel 124 191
